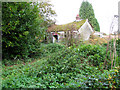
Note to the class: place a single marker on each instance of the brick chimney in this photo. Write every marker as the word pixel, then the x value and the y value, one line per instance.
pixel 77 17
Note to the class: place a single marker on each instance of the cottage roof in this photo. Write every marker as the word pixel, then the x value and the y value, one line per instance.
pixel 70 26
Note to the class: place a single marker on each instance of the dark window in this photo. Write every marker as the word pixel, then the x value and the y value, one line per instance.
pixel 56 37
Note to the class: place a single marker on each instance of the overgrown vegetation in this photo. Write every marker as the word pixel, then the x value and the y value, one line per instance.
pixel 66 27
pixel 96 40
pixel 73 65
pixel 20 29
pixel 114 51
pixel 63 68
pixel 24 24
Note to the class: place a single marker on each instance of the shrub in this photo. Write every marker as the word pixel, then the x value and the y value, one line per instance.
pixel 111 50
pixel 66 68
pixel 51 48
pixel 24 25
pixel 48 49
pixel 94 53
pixel 20 27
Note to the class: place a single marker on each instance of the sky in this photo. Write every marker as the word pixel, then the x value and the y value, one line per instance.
pixel 104 10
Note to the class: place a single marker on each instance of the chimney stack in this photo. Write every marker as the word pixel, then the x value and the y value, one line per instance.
pixel 77 17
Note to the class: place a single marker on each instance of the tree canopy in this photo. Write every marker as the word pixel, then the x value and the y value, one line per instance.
pixel 23 25
pixel 86 12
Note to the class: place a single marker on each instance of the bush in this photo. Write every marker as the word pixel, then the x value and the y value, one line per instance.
pixel 67 60
pixel 94 53
pixel 48 49
pixel 51 48
pixel 20 27
pixel 111 45
pixel 63 68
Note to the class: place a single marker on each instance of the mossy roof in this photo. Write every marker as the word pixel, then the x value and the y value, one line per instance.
pixel 70 26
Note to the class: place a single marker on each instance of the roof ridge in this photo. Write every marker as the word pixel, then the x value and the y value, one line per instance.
pixel 67 26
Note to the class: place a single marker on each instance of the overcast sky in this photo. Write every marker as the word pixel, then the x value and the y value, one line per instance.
pixel 104 11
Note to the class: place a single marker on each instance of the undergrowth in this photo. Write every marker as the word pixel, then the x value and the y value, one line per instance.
pixel 60 67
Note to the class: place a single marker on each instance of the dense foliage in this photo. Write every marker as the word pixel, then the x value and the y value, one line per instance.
pixel 23 27
pixel 55 66
pixel 63 68
pixel 86 12
pixel 112 50
pixel 117 46
pixel 20 28
pixel 47 49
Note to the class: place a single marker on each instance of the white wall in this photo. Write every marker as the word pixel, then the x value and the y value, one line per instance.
pixel 85 31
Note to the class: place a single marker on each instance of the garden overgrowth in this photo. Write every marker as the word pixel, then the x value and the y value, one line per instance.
pixel 62 67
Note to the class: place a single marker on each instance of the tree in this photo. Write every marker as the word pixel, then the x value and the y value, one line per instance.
pixel 46 13
pixel 23 25
pixel 86 12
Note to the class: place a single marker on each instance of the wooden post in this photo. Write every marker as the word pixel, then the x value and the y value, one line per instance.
pixel 119 20
pixel 105 62
pixel 115 50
